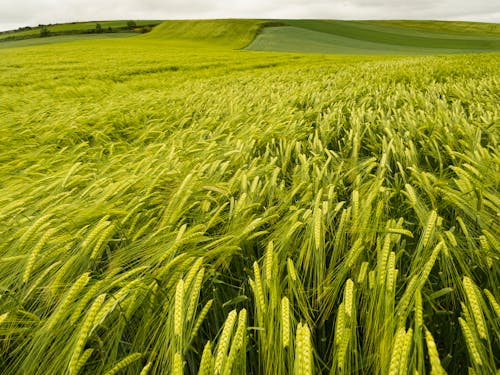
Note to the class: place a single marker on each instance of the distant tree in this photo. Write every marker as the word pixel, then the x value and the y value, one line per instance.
pixel 98 28
pixel 131 24
pixel 44 31
pixel 110 30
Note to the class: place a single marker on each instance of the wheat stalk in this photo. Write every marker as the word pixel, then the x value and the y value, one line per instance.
pixel 419 314
pixel 145 369
pixel 493 303
pixel 195 292
pixel 397 351
pixel 201 317
pixel 362 272
pixel 206 363
pixel 82 360
pixel 470 292
pixel 433 354
pixel 127 361
pixel 317 219
pixel 84 332
pixel 285 322
pixel 291 270
pixel 177 368
pixel 268 263
pixel 405 352
pixel 179 308
pixel 238 342
pixel 349 298
pixel 429 228
pixel 69 298
pixel 104 235
pixel 34 253
pixel 224 342
pixel 303 351
pixel 41 221
pixel 471 344
pixel 259 291
pixel 391 271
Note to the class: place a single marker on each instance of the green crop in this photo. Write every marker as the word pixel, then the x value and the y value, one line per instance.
pixel 378 37
pixel 75 28
pixel 177 207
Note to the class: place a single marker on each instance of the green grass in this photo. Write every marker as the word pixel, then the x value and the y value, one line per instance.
pixel 227 33
pixel 452 27
pixel 366 37
pixel 171 205
pixel 295 39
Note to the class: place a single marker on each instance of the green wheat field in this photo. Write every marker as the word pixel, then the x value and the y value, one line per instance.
pixel 252 197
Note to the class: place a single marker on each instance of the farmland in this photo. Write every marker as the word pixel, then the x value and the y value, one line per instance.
pixel 75 28
pixel 173 204
pixel 372 37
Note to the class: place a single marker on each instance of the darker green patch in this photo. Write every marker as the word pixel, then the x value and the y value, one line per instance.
pixel 372 37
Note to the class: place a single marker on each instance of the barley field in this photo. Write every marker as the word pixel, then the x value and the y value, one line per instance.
pixel 182 207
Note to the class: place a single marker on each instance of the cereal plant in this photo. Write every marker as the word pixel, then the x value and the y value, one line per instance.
pixel 178 210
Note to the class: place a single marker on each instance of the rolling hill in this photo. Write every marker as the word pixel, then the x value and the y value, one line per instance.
pixel 312 36
pixel 234 34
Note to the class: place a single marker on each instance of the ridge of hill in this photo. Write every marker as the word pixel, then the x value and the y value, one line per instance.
pixel 78 28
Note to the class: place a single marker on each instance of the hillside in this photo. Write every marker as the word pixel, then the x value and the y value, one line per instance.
pixel 372 37
pixel 233 34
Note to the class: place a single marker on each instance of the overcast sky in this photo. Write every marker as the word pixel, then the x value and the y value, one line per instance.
pixel 17 13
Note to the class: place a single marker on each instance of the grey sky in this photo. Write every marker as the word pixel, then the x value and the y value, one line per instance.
pixel 17 13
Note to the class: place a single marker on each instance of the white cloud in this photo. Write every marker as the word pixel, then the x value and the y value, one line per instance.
pixel 17 13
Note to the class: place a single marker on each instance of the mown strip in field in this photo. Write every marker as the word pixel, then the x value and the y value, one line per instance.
pixel 62 39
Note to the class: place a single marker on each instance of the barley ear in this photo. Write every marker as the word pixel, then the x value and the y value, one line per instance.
pixel 433 354
pixel 206 363
pixel 285 322
pixel 178 364
pixel 179 308
pixel 128 360
pixel 224 342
